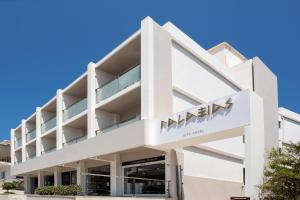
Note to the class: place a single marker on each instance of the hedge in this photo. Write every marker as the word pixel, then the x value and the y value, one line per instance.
pixel 64 190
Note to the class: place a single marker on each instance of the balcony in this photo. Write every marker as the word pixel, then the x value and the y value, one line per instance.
pixel 49 124
pixel 31 135
pixel 51 149
pixel 18 142
pixel 118 125
pixel 123 81
pixel 5 159
pixel 30 157
pixel 75 140
pixel 75 109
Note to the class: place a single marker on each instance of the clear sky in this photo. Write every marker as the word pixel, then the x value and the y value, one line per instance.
pixel 45 45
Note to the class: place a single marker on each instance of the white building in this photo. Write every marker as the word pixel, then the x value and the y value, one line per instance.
pixel 5 162
pixel 115 130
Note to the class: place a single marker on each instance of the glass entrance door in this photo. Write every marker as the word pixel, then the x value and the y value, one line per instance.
pixel 34 184
pixel 99 185
pixel 144 179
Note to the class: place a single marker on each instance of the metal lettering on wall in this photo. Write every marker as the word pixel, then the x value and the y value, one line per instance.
pixel 220 115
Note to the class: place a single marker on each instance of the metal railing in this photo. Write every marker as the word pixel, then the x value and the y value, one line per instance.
pixel 75 109
pixel 123 81
pixel 5 159
pixel 18 142
pixel 138 186
pixel 75 140
pixel 30 135
pixel 118 125
pixel 48 150
pixel 49 124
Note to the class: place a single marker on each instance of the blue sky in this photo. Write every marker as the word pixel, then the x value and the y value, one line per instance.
pixel 44 45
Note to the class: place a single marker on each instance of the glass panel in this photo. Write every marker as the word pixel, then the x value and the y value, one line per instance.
pixel 49 124
pixel 48 180
pixel 18 142
pixel 75 109
pixel 116 85
pixel 147 179
pixel 31 156
pixel 98 185
pixel 48 150
pixel 120 124
pixel 107 90
pixel 75 140
pixel 69 178
pixel 129 78
pixel 30 135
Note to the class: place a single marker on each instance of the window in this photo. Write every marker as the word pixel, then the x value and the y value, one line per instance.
pixel 99 185
pixel 2 175
pixel 147 179
pixel 69 178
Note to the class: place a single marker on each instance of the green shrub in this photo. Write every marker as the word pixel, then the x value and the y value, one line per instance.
pixel 9 186
pixel 45 190
pixel 64 190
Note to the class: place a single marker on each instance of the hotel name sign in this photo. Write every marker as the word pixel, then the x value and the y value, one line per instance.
pixel 220 115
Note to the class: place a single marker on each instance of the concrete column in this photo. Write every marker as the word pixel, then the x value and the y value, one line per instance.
pixel 23 129
pixel 12 147
pixel 38 131
pixel 59 119
pixel 254 147
pixel 40 179
pixel 171 163
pixel 57 176
pixel 27 184
pixel 116 172
pixel 91 99
pixel 156 70
pixel 81 178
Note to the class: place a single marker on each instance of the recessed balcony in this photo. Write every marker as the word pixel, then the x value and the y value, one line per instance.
pixel 118 112
pixel 75 131
pixel 49 124
pixel 18 142
pixel 48 117
pixel 31 135
pixel 30 129
pixel 75 99
pixel 75 109
pixel 48 142
pixel 122 81
pixel 118 124
pixel 18 157
pixel 30 151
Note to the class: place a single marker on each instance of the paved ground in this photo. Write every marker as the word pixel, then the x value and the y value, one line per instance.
pixel 15 191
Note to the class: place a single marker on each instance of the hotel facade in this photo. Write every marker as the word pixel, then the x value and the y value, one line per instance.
pixel 157 116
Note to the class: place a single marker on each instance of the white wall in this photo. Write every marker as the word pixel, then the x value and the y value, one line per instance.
pixel 195 77
pixel 233 146
pixel 201 163
pixel 290 130
pixel 182 102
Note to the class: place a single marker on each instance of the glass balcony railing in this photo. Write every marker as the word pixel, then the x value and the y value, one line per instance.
pixel 18 142
pixel 49 124
pixel 30 157
pixel 48 150
pixel 130 77
pixel 75 140
pixel 17 162
pixel 30 135
pixel 75 109
pixel 118 125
